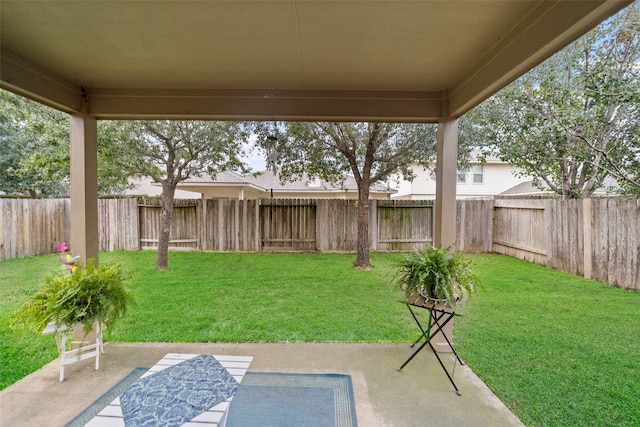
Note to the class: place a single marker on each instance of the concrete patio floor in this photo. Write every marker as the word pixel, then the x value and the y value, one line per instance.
pixel 420 395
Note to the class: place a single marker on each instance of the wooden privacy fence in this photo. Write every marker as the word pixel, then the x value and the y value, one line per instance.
pixel 474 225
pixel 288 225
pixel 118 224
pixel 184 225
pixel 32 227
pixel 401 225
pixel 594 238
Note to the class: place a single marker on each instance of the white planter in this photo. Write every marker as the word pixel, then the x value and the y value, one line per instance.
pixel 84 346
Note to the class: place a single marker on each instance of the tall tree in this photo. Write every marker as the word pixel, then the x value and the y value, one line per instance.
pixel 170 152
pixel 114 174
pixel 371 152
pixel 34 148
pixel 575 119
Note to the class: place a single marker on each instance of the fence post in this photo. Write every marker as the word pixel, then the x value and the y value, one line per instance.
pixel 205 224
pixel 373 224
pixel 587 242
pixel 462 218
pixel 491 217
pixel 256 240
pixel 221 224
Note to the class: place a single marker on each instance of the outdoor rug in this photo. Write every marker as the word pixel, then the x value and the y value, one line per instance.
pixel 181 389
pixel 288 400
pixel 92 410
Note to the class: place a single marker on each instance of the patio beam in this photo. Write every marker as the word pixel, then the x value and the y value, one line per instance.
pixel 84 187
pixel 32 81
pixel 292 105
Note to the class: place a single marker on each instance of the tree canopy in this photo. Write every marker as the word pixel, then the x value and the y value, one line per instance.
pixel 34 151
pixel 370 152
pixel 34 148
pixel 170 152
pixel 575 119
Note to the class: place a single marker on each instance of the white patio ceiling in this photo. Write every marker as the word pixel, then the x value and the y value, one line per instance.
pixel 294 60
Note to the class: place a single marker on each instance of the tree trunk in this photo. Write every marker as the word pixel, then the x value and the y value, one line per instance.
pixel 165 228
pixel 363 260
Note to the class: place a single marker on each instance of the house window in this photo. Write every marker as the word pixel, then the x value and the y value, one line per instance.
pixel 314 183
pixel 478 174
pixel 462 176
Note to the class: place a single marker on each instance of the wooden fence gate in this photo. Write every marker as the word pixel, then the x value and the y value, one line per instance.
pixel 288 225
pixel 184 225
pixel 404 225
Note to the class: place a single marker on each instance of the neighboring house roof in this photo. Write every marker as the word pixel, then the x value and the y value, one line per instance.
pixel 264 185
pixel 146 187
pixel 524 188
pixel 609 186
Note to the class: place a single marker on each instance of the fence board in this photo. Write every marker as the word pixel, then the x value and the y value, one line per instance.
pixel 118 224
pixel 31 227
pixel 616 242
pixel 519 229
pixel 184 224
pixel 336 225
pixel 288 225
pixel 611 240
pixel 635 244
pixel 403 225
pixel 566 235
pixel 625 259
pixel 600 245
pixel 474 225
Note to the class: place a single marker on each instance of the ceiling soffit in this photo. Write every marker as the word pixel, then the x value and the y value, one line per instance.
pixel 294 60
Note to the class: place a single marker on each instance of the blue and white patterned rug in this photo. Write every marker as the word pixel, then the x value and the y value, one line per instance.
pixel 293 400
pixel 172 397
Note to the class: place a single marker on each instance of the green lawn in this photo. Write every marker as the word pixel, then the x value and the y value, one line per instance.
pixel 557 349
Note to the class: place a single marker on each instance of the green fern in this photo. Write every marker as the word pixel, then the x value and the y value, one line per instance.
pixel 437 274
pixel 86 295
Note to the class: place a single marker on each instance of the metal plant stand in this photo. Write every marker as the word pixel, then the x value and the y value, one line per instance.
pixel 439 316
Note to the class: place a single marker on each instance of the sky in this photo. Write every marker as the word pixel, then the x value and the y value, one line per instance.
pixel 254 158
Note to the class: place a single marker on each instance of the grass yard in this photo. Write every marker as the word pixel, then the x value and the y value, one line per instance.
pixel 263 297
pixel 223 297
pixel 557 349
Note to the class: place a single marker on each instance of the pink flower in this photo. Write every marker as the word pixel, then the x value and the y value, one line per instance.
pixel 61 247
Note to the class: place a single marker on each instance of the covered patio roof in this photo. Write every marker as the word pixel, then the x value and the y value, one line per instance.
pixel 385 60
pixel 375 60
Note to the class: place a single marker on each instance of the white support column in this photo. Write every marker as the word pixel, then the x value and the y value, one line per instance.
pixel 446 174
pixel 84 187
pixel 445 208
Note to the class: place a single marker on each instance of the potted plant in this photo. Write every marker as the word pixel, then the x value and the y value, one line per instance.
pixel 435 276
pixel 82 294
pixel 79 302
